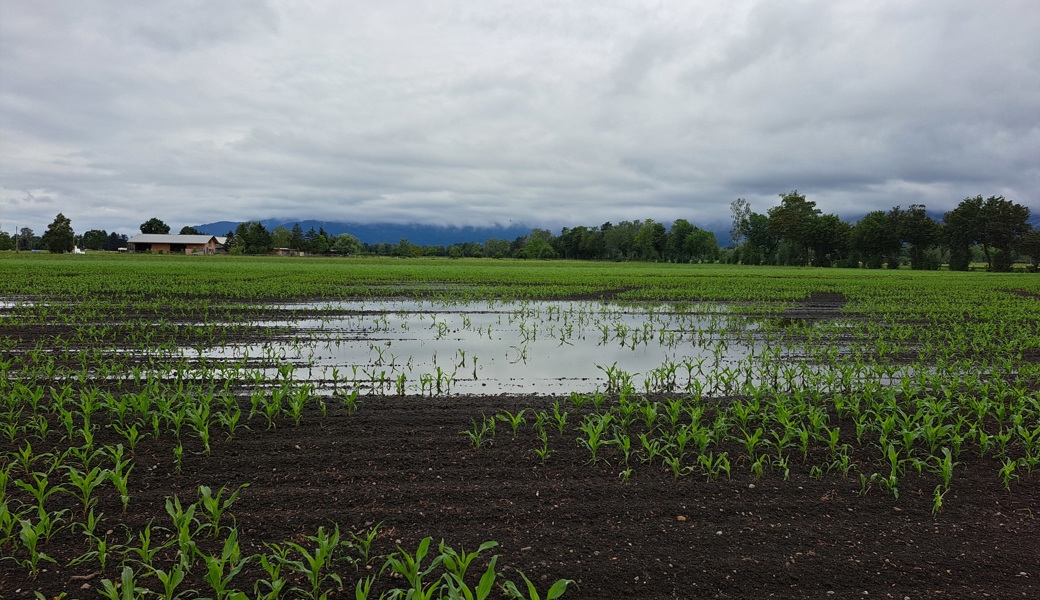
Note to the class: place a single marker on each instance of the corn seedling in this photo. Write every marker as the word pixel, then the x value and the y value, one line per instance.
pixel 479 432
pixel 1007 472
pixel 40 488
pixel 315 565
pixel 556 590
pixel 145 550
pixel 410 567
pixel 272 565
pixel 119 475
pixel 222 569
pixel 30 536
pixel 126 589
pixel 362 542
pixel 171 580
pixel 84 483
pixel 186 528
pixel 514 420
pixel 593 427
pixel 560 417
pixel 214 507
pixel 543 452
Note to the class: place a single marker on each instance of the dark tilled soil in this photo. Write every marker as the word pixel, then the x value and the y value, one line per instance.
pixel 403 463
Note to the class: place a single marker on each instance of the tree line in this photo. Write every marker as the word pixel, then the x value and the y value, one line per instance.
pixel 628 240
pixel 795 232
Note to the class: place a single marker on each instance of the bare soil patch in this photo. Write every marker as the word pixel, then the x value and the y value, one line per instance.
pixel 402 462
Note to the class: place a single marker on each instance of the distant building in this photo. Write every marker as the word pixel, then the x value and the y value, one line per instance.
pixel 175 244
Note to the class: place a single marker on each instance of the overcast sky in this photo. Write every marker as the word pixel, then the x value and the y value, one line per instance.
pixel 484 112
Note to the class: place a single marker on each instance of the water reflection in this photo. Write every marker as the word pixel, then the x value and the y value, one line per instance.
pixel 417 347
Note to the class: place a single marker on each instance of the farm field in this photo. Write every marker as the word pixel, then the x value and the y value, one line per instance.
pixel 237 427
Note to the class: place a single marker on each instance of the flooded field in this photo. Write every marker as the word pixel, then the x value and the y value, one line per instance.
pixel 644 431
pixel 409 347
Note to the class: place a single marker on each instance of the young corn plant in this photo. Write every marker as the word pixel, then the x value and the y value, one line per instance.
pixel 654 448
pixel 479 432
pixel 362 543
pixel 556 590
pixel 315 566
pixel 410 567
pixel 222 569
pixel 100 552
pixel 126 589
pixel 119 475
pixel 215 507
pixel 944 466
pixel 186 528
pixel 84 483
pixel 145 551
pixel 937 500
pixel 543 452
pixel 456 565
pixel 230 419
pixel 624 443
pixel 30 536
pixel 1007 472
pixel 593 426
pixel 40 488
pixel 130 433
pixel 514 420
pixel 88 526
pixel 170 580
pixel 272 565
pixel 560 417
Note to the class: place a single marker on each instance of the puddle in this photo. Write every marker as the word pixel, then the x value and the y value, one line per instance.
pixel 418 347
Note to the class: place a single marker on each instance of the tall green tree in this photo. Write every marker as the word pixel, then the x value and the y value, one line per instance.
pixel 829 239
pixel 675 248
pixel 6 241
pixel 26 240
pixel 296 238
pixel 406 249
pixel 920 232
pixel 1003 223
pixel 346 244
pixel 761 243
pixel 741 212
pixel 794 221
pixel 252 238
pixel 281 237
pixel 189 230
pixel 874 238
pixel 619 240
pixel 155 225
pixel 116 241
pixel 495 248
pixel 1029 244
pixel 963 227
pixel 650 240
pixel 700 245
pixel 94 239
pixel 59 236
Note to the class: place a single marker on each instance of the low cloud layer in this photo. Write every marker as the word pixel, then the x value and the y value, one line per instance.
pixel 477 113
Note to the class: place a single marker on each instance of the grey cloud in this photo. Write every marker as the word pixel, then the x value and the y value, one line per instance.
pixel 541 112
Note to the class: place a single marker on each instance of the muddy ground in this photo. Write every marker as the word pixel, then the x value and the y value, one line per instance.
pixel 402 462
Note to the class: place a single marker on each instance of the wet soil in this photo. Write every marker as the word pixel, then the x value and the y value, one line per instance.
pixel 403 462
